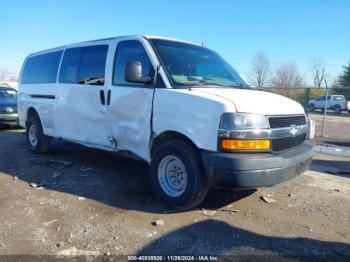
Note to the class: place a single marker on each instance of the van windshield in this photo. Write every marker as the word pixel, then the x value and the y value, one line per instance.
pixel 191 65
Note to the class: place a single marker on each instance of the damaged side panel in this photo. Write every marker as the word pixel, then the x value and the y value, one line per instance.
pixel 129 117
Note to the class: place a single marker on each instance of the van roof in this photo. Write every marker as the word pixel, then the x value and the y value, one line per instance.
pixel 108 38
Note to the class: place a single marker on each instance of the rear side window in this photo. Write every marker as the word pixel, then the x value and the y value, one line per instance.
pixel 338 98
pixel 41 68
pixel 84 65
pixel 130 50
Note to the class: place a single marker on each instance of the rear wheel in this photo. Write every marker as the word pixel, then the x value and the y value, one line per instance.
pixel 177 176
pixel 37 141
pixel 337 110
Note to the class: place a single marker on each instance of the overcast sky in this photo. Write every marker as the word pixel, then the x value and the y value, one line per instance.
pixel 293 30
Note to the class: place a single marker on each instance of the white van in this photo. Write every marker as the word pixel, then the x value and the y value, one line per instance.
pixel 178 106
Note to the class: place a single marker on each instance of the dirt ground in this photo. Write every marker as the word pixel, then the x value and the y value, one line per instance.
pixel 102 205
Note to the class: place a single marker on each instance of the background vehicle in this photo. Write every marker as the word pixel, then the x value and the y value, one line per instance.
pixel 334 102
pixel 8 106
pixel 178 106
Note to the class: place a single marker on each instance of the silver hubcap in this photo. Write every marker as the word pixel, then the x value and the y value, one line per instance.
pixel 33 136
pixel 172 176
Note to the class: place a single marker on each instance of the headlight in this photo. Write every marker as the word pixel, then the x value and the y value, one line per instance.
pixel 239 121
pixel 9 110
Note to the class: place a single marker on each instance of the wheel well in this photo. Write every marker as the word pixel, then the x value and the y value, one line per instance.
pixel 170 135
pixel 32 112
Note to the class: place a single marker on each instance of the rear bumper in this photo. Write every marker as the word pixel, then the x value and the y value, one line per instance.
pixel 8 118
pixel 253 170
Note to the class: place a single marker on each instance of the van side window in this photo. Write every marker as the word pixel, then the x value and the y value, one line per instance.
pixel 130 50
pixel 41 68
pixel 84 65
pixel 70 65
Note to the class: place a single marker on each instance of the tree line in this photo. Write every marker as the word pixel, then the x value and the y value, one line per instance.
pixel 286 75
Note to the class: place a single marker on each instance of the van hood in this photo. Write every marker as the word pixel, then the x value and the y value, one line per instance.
pixel 255 101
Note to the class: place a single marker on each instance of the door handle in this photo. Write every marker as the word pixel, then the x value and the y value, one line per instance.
pixel 102 97
pixel 109 97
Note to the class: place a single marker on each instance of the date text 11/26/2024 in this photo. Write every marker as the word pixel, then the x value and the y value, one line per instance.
pixel 173 258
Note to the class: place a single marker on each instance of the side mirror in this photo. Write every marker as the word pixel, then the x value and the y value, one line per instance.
pixel 133 73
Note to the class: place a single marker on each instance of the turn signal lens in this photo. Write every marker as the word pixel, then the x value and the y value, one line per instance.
pixel 245 144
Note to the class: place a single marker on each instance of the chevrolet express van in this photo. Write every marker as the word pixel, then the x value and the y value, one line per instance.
pixel 178 106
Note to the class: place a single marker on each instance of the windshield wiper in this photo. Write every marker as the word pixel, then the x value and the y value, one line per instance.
pixel 239 86
pixel 201 82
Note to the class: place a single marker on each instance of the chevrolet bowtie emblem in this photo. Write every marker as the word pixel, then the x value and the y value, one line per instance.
pixel 293 130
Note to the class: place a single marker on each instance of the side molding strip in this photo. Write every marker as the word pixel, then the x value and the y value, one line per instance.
pixel 42 96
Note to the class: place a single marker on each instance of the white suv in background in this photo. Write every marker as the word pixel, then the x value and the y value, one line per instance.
pixel 334 102
pixel 178 106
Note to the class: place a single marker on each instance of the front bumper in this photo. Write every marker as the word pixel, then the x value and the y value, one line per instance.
pixel 8 118
pixel 251 170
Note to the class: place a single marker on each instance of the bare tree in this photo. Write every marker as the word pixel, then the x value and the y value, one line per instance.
pixel 259 70
pixel 287 76
pixel 318 71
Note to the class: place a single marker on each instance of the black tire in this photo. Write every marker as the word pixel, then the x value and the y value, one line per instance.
pixel 311 108
pixel 337 110
pixel 43 141
pixel 322 110
pixel 197 183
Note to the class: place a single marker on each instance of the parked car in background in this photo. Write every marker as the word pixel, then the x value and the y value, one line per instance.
pixel 8 106
pixel 334 102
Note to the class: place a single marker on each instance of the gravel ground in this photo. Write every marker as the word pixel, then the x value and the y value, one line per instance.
pixel 102 205
pixel 336 127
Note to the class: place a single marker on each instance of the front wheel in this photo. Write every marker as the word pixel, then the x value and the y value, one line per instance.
pixel 177 176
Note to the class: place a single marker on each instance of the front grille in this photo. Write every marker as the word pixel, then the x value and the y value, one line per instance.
pixel 3 111
pixel 286 121
pixel 280 144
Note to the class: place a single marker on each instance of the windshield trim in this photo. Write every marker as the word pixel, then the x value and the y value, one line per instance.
pixel 173 85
